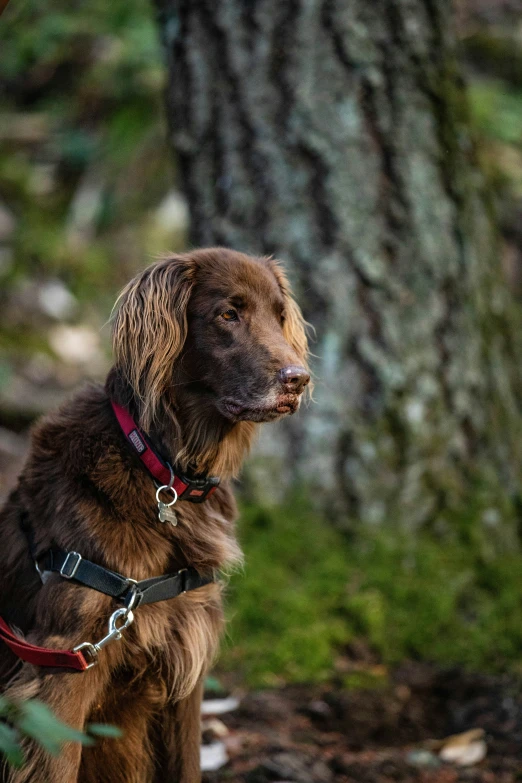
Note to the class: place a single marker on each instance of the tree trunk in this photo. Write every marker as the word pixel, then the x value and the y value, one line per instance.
pixel 333 134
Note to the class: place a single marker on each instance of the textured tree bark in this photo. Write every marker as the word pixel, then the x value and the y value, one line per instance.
pixel 333 134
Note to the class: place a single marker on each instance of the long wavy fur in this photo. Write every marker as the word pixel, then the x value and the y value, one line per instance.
pixel 150 328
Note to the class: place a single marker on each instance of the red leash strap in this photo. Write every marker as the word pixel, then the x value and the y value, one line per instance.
pixel 42 656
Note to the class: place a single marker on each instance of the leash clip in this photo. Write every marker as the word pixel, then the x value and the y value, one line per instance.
pixel 115 634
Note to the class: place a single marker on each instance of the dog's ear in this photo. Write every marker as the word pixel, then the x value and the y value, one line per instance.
pixel 294 326
pixel 150 328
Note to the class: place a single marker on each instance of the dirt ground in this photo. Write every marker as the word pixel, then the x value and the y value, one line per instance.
pixel 326 734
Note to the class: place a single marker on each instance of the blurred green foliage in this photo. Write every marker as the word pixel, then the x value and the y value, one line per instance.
pixel 33 720
pixel 497 112
pixel 84 162
pixel 494 57
pixel 86 188
pixel 308 594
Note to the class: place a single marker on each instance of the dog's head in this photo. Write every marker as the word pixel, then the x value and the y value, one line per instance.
pixel 218 325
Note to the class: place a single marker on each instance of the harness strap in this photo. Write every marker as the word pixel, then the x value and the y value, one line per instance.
pixel 42 656
pixel 71 565
pixel 161 588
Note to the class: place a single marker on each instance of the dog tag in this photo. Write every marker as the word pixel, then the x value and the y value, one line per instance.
pixel 167 514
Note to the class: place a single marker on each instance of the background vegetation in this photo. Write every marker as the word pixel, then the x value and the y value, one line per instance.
pixel 87 196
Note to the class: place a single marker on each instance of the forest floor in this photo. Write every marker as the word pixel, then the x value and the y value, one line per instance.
pixel 322 734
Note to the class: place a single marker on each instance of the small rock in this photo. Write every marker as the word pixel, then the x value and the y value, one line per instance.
pixel 219 706
pixel 213 756
pixel 172 213
pixel 318 708
pixel 56 300
pixel 75 344
pixel 423 758
pixel 214 728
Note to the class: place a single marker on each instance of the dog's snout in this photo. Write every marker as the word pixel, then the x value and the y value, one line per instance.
pixel 294 379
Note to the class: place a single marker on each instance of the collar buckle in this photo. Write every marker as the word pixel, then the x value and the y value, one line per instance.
pixel 198 489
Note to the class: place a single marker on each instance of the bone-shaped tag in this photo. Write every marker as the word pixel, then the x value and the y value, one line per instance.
pixel 167 514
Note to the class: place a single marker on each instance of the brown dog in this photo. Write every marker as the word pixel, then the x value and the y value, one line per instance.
pixel 206 346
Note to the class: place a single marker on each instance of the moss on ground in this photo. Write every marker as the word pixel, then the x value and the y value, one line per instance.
pixel 307 592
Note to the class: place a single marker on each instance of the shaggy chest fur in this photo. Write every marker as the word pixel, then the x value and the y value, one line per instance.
pixel 83 490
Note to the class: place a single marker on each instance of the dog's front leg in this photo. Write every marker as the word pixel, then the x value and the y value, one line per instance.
pixel 70 696
pixel 181 739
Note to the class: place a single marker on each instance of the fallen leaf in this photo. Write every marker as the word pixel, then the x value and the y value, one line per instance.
pixel 464 749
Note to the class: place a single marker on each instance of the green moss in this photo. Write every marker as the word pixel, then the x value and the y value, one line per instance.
pixel 306 592
pixel 497 111
pixel 495 53
pixel 285 608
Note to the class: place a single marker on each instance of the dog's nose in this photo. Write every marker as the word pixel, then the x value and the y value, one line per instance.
pixel 294 379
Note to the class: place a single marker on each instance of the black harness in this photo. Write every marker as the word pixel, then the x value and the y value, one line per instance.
pixel 71 565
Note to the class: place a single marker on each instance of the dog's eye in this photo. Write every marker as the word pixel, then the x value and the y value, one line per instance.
pixel 283 317
pixel 230 315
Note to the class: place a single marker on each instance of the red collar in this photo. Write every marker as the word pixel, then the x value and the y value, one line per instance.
pixel 195 490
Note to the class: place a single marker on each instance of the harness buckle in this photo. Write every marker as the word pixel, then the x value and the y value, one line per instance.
pixel 64 570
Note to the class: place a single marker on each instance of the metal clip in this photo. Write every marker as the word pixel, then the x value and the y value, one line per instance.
pixel 115 633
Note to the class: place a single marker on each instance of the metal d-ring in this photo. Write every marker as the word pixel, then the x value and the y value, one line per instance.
pixel 167 489
pixel 133 597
